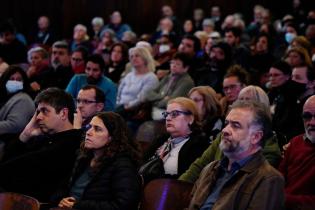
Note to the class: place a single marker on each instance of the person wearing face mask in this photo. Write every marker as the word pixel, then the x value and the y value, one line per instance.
pixel 164 51
pixel 16 106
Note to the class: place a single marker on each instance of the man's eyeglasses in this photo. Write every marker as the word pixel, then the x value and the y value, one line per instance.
pixel 308 116
pixel 175 113
pixel 85 102
pixel 77 59
pixel 230 87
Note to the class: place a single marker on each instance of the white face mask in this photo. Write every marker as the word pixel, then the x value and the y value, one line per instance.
pixel 164 48
pixel 14 86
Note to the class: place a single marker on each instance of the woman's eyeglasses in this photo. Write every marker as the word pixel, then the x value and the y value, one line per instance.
pixel 175 113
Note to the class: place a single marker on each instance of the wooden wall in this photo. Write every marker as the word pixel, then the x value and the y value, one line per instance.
pixel 143 15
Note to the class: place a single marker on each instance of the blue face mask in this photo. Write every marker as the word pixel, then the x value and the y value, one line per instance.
pixel 13 86
pixel 289 37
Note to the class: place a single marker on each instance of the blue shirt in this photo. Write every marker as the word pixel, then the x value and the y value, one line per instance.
pixel 109 88
pixel 224 176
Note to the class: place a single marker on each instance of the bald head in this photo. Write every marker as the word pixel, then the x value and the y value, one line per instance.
pixel 309 118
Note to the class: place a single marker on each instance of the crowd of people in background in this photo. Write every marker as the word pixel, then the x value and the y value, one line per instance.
pixel 194 86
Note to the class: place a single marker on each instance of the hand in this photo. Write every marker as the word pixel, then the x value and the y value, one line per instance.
pixel 78 120
pixel 67 202
pixel 285 147
pixel 31 129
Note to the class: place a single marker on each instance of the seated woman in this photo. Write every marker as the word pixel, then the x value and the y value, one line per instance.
pixel 135 85
pixel 117 61
pixel 209 110
pixel 16 106
pixel 183 144
pixel 270 149
pixel 105 176
pixel 38 63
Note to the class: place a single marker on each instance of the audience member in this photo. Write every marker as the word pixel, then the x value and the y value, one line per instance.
pixel 41 158
pixel 38 64
pixel 117 61
pixel 117 25
pixel 243 178
pixel 89 102
pixel 12 51
pixel 176 84
pixel 234 81
pixel 136 84
pixel 43 35
pixel 78 59
pixel 80 38
pixel 209 110
pixel 16 106
pixel 184 142
pixel 270 150
pixel 105 175
pixel 297 165
pixel 94 76
pixel 59 73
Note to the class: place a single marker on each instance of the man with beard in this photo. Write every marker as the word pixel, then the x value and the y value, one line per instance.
pixel 216 66
pixel 42 158
pixel 298 164
pixel 94 75
pixel 243 179
pixel 60 72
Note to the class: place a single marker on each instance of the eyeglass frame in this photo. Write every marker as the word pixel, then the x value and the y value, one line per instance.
pixel 175 113
pixel 84 101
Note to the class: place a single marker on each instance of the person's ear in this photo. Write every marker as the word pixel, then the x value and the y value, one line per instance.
pixel 257 136
pixel 100 107
pixel 64 113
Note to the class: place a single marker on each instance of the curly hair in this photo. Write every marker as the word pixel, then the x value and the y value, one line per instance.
pixel 120 139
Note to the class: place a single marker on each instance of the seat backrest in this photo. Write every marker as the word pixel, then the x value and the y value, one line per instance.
pixel 166 194
pixel 15 201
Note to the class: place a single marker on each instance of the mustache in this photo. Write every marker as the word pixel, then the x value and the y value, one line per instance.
pixel 311 128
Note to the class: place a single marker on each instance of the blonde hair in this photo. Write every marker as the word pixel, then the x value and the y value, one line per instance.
pixel 188 105
pixel 257 93
pixel 302 52
pixel 145 55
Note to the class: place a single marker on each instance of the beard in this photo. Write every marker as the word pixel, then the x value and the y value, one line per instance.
pixel 231 148
pixel 92 80
pixel 308 134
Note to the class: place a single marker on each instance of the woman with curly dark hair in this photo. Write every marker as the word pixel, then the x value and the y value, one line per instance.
pixel 105 176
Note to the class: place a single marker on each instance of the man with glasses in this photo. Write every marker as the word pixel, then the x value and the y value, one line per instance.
pixel 94 70
pixel 78 59
pixel 298 164
pixel 234 81
pixel 90 100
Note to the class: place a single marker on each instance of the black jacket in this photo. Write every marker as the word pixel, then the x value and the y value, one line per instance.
pixel 116 185
pixel 38 167
pixel 189 152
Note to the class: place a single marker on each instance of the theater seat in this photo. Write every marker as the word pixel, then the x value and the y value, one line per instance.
pixel 166 194
pixel 15 201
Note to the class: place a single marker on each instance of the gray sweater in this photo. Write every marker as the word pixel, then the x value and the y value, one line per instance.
pixel 16 113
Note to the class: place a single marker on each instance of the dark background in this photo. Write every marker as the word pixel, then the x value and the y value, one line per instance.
pixel 142 15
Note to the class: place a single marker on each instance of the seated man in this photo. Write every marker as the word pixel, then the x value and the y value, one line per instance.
pixel 90 100
pixel 243 179
pixel 298 164
pixel 42 158
pixel 94 70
